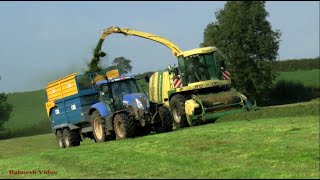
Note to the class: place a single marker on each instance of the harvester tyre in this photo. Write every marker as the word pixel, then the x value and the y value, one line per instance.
pixel 124 126
pixel 60 139
pixel 71 137
pixel 177 104
pixel 98 128
pixel 163 122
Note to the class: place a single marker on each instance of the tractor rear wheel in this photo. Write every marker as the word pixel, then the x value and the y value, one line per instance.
pixel 163 120
pixel 60 139
pixel 99 131
pixel 71 137
pixel 124 126
pixel 177 104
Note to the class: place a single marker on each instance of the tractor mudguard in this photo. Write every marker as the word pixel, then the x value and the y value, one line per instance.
pixel 101 108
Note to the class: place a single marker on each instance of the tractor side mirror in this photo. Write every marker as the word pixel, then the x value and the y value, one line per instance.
pixel 147 79
pixel 169 67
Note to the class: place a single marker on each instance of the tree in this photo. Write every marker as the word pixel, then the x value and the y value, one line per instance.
pixel 5 109
pixel 122 64
pixel 245 37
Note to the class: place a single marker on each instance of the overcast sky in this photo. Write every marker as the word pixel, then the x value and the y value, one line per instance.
pixel 42 41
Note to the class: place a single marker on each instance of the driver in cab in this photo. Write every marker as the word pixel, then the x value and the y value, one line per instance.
pixel 118 91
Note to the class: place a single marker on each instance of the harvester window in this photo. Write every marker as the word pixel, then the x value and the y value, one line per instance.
pixel 196 69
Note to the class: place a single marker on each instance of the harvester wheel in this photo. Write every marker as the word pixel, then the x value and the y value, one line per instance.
pixel 163 121
pixel 60 139
pixel 99 131
pixel 124 126
pixel 178 111
pixel 71 137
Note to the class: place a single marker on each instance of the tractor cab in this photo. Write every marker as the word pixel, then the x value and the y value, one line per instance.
pixel 121 93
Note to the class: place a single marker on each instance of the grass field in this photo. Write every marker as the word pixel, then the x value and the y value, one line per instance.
pixel 251 146
pixel 307 77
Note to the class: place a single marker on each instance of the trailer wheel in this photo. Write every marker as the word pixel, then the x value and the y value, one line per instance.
pixel 71 137
pixel 163 121
pixel 99 131
pixel 178 112
pixel 60 139
pixel 124 126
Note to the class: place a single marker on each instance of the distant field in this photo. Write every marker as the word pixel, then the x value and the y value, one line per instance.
pixel 275 147
pixel 307 77
pixel 29 109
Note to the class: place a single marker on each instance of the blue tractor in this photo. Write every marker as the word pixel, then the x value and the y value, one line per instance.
pixel 102 108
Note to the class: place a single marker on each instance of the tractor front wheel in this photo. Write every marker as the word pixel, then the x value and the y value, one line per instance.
pixel 124 126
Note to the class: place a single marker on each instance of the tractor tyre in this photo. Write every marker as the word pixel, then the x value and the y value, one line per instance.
pixel 124 126
pixel 98 128
pixel 163 120
pixel 177 104
pixel 71 137
pixel 60 139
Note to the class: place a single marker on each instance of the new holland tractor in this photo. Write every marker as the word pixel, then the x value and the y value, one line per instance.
pixel 196 91
pixel 101 107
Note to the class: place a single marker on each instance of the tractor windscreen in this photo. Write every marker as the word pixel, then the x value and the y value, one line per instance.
pixel 120 88
pixel 200 68
pixel 124 87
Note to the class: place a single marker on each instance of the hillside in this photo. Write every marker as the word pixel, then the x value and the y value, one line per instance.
pixel 29 109
pixel 276 147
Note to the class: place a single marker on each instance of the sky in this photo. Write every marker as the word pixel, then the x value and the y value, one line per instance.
pixel 43 41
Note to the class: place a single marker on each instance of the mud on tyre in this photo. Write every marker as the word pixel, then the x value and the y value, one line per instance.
pixel 71 137
pixel 60 139
pixel 163 120
pixel 177 104
pixel 124 126
pixel 98 127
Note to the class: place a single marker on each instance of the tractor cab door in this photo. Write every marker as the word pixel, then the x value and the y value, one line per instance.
pixel 105 97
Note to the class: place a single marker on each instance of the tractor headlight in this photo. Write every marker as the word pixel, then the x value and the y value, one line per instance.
pixel 139 104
